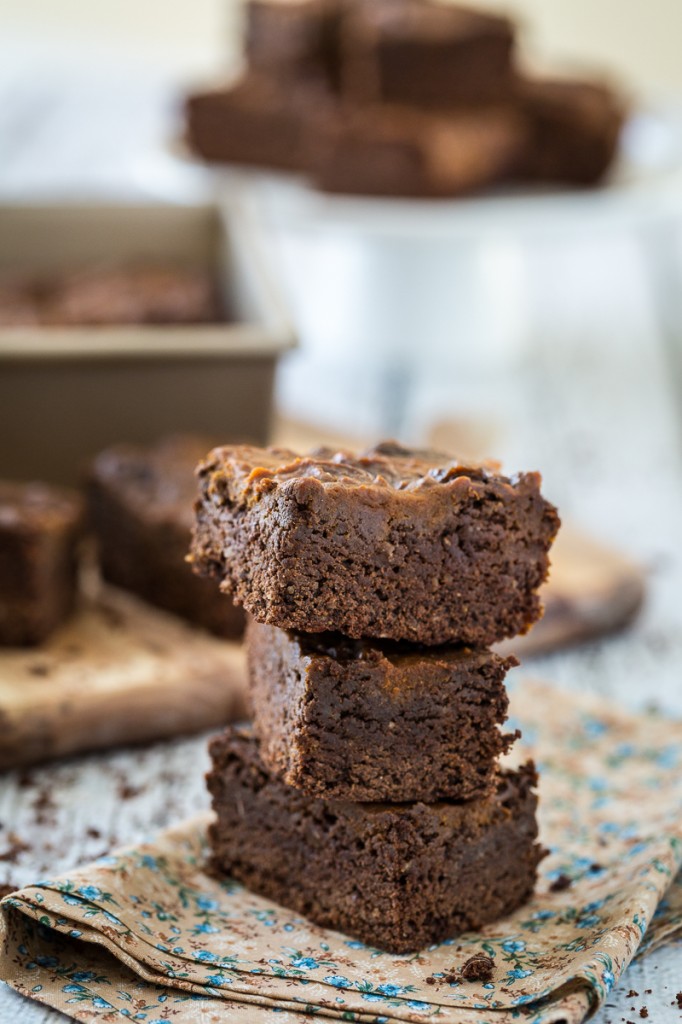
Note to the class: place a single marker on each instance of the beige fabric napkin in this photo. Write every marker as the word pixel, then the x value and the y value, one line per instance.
pixel 147 934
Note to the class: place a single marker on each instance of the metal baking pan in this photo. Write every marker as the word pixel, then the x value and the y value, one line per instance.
pixel 66 392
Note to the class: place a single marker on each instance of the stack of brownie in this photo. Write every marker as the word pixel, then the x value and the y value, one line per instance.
pixel 401 97
pixel 367 794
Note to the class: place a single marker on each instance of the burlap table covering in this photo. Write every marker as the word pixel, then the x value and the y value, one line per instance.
pixel 147 934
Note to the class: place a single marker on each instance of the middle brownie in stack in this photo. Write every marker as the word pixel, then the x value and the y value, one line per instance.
pixel 368 795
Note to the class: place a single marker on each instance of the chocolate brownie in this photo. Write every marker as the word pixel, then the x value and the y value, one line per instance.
pixel 132 295
pixel 256 121
pixel 397 876
pixel 395 151
pixel 395 543
pixel 370 720
pixel 141 508
pixel 431 55
pixel 294 38
pixel 574 129
pixel 110 296
pixel 40 529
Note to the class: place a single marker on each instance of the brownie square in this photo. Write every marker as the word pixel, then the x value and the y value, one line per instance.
pixel 394 151
pixel 397 876
pixel 369 720
pixel 257 121
pixel 395 543
pixel 294 38
pixel 573 130
pixel 141 508
pixel 431 55
pixel 40 529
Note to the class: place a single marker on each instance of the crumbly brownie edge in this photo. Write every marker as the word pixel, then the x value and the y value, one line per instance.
pixel 462 564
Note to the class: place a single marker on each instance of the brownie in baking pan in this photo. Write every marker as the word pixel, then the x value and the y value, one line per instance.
pixel 573 130
pixel 134 295
pixel 426 54
pixel 40 530
pixel 110 296
pixel 141 509
pixel 395 543
pixel 367 720
pixel 398 877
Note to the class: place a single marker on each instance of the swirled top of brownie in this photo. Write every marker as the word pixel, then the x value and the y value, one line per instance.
pixel 245 473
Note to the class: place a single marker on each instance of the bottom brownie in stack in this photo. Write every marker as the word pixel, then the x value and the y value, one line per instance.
pixel 397 876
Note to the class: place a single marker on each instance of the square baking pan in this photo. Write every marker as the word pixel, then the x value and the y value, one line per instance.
pixel 67 392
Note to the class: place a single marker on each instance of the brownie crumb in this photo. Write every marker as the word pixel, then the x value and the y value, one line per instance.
pixel 128 792
pixel 478 968
pixel 560 883
pixel 44 807
pixel 39 670
pixel 25 779
pixel 430 980
pixel 678 999
pixel 16 847
pixel 6 889
pixel 93 833
pixel 644 1012
pixel 632 994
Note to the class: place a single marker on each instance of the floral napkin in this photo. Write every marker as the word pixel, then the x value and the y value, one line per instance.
pixel 147 934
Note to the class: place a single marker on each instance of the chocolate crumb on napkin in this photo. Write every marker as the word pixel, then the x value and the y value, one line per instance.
pixel 148 933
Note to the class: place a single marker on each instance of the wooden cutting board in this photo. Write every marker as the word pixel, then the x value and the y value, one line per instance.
pixel 119 672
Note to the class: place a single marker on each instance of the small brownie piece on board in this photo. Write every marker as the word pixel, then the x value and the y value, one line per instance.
pixel 368 720
pixel 294 38
pixel 395 151
pixel 397 876
pixel 40 530
pixel 256 121
pixel 141 507
pixel 424 54
pixel 395 543
pixel 573 130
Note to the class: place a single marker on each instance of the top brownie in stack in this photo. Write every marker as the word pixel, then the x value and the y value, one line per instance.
pixel 141 506
pixel 395 543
